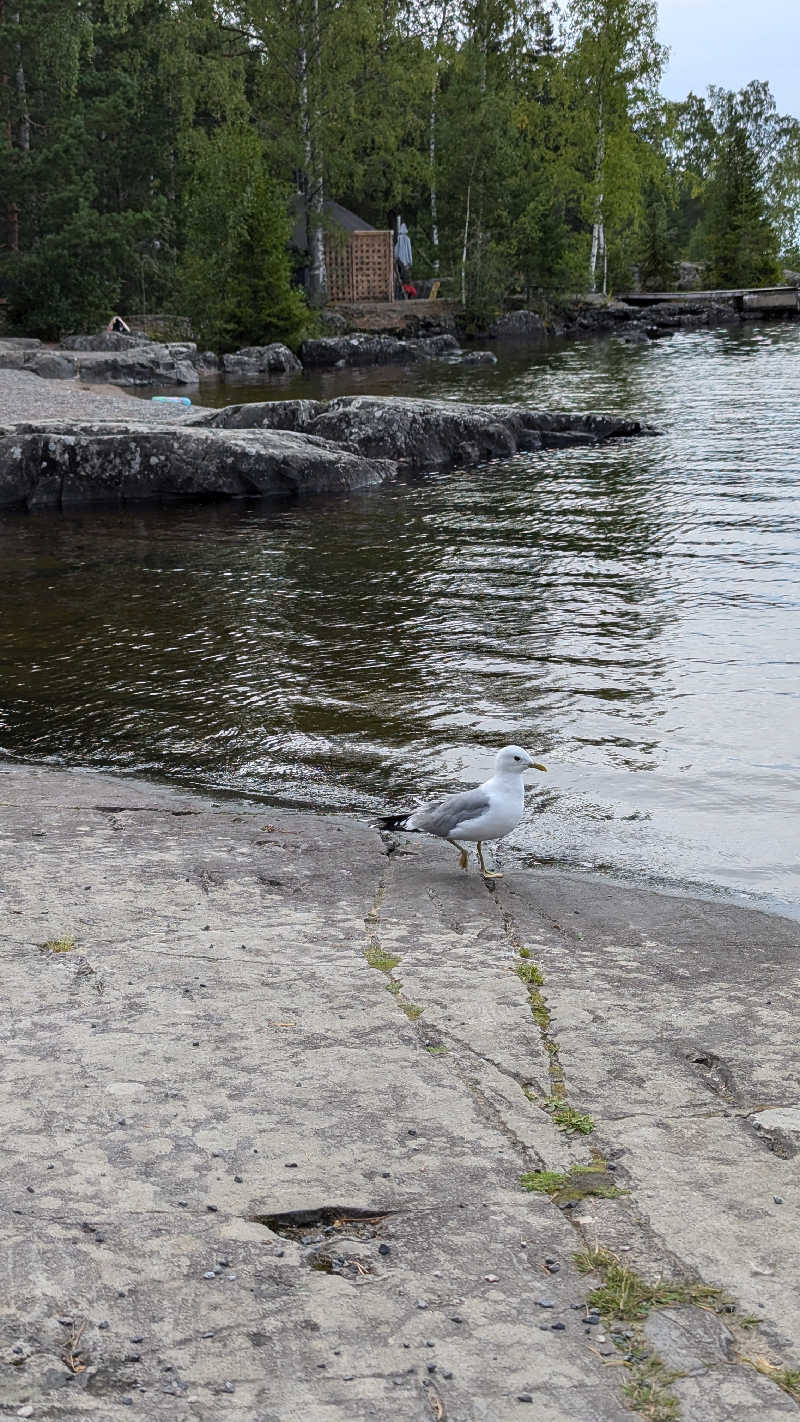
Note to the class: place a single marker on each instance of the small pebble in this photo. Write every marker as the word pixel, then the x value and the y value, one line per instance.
pixel 138 1339
pixel 65 1322
pixel 553 1268
pixel 557 1327
pixel 104 1324
pixel 422 1303
pixel 384 1249
pixel 126 1401
pixel 524 1397
pixel 100 1237
pixel 210 1274
pixel 491 1278
pixel 431 1367
pixel 290 1164
pixel 412 1133
pixel 592 1320
pixel 456 1318
pixel 223 1263
pixel 229 1387
pixel 446 1374
pixel 545 1303
pixel 238 1180
pixel 544 1327
pixel 385 1175
pixel 212 1209
pixel 778 1199
pixel 183 1204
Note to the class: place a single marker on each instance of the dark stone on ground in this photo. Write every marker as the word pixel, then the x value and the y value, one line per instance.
pixel 274 359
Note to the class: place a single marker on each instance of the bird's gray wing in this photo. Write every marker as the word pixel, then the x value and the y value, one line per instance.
pixel 441 816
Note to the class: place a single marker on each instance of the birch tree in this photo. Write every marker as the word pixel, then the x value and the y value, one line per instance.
pixel 615 65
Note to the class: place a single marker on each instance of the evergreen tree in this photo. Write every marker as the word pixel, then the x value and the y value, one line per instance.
pixel 742 243
pixel 235 269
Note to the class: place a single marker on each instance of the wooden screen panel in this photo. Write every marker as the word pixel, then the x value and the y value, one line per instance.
pixel 361 269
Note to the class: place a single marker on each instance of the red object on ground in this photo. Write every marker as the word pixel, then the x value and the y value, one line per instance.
pixel 409 290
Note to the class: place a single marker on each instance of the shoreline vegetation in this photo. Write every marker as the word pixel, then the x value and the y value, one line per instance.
pixel 187 158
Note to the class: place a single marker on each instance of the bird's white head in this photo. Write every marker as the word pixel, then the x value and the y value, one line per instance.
pixel 513 760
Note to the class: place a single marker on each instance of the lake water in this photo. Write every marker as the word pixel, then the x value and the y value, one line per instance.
pixel 627 613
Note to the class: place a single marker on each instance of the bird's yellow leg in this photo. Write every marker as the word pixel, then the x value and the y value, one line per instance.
pixel 487 873
pixel 462 855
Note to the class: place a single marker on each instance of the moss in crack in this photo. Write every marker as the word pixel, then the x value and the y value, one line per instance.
pixel 383 962
pixel 576 1184
pixel 411 1009
pixel 529 972
pixel 567 1118
pixel 65 944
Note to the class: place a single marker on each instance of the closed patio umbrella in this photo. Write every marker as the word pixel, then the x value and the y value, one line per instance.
pixel 402 247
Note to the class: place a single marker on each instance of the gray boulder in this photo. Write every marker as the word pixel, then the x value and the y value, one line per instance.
pixel 61 466
pixel 275 359
pixel 141 365
pixel 52 365
pixel 519 326
pixel 436 434
pixel 266 415
pixel 374 350
pixel 479 358
pixel 104 341
pixel 12 357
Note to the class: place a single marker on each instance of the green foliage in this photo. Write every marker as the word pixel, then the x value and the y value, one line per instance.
pixel 234 275
pixel 148 149
pixel 742 243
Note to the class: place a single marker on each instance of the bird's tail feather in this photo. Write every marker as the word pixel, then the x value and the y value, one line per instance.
pixel 393 822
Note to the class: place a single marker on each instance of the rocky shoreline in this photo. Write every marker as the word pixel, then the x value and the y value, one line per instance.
pixel 383 334
pixel 242 1179
pixel 274 448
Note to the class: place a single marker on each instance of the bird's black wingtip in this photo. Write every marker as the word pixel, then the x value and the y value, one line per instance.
pixel 391 822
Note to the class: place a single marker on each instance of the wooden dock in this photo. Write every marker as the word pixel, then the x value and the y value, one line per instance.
pixel 764 298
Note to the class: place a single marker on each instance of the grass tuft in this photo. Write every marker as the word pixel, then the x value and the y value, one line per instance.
pixel 623 1294
pixel 58 945
pixel 649 1393
pixel 543 1182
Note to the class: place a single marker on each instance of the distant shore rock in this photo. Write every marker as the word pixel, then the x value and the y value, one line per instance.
pixel 356 350
pixel 274 359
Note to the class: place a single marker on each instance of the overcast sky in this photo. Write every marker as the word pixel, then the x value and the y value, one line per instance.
pixel 730 42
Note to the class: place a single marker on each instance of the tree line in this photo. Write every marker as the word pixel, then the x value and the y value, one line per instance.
pixel 152 153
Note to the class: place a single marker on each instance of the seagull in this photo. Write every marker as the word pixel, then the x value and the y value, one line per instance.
pixel 490 811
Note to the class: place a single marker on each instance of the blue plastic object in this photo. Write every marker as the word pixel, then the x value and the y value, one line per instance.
pixel 171 399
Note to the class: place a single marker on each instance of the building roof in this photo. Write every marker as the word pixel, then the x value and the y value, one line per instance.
pixel 335 215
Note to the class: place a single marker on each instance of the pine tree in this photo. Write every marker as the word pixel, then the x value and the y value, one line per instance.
pixel 742 243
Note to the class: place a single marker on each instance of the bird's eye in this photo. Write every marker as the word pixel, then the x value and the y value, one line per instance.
pixel 516 757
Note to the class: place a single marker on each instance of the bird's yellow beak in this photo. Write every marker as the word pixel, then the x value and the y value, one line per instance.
pixel 535 765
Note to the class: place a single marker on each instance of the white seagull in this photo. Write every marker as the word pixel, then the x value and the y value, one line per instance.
pixel 490 811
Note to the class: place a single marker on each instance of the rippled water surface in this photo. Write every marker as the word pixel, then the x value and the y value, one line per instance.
pixel 628 613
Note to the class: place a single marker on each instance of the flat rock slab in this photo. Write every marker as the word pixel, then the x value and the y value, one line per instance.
pixel 269 1096
pixel 60 467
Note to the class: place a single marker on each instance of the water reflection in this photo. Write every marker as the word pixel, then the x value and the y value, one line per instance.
pixel 629 613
